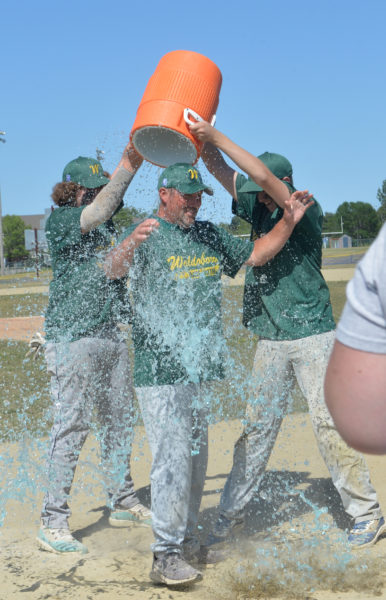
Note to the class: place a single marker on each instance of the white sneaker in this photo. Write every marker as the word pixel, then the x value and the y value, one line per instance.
pixel 59 541
pixel 124 517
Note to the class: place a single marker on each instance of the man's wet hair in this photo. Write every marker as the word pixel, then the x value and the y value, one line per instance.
pixel 64 193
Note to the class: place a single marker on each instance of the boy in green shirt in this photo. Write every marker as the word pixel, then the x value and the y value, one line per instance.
pixel 287 303
pixel 87 356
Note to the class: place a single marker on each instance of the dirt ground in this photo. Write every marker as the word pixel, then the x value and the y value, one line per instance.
pixel 297 509
pixel 20 328
pixel 119 560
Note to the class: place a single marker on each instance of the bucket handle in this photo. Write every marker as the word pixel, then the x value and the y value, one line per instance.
pixel 189 112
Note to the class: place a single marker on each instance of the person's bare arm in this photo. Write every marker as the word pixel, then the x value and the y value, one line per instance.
pixel 130 160
pixel 109 198
pixel 266 247
pixel 247 162
pixel 355 392
pixel 219 168
pixel 118 261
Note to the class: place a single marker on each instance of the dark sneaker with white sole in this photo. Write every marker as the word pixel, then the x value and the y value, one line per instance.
pixel 171 569
pixel 223 529
pixel 206 556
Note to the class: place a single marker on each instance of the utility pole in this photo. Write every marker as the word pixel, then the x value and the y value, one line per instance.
pixel 2 272
pixel 99 154
pixel 36 252
pixel 2 139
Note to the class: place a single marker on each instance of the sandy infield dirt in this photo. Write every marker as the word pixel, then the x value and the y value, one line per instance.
pixel 119 560
pixel 20 328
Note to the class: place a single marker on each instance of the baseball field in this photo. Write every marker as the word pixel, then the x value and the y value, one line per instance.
pixel 293 545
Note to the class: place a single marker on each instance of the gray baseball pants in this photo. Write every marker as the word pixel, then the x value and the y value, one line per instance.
pixel 175 418
pixel 91 374
pixel 276 365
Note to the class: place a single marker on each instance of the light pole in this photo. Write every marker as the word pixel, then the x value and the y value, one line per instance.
pixel 99 154
pixel 1 221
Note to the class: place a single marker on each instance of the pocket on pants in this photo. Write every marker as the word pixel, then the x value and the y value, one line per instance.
pixel 51 359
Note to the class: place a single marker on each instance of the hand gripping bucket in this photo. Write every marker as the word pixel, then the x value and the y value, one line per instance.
pixel 184 85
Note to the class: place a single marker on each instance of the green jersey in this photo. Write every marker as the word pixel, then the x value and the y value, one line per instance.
pixel 287 298
pixel 176 287
pixel 82 298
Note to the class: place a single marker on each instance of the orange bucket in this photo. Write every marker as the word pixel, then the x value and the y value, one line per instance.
pixel 185 84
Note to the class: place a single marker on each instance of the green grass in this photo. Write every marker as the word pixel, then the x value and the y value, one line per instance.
pixel 338 297
pixel 24 383
pixel 29 305
pixel 328 252
pixel 26 279
pixel 24 392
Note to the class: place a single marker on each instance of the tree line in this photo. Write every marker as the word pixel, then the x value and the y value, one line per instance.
pixel 14 227
pixel 360 221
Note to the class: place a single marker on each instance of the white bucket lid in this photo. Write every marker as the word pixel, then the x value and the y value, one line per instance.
pixel 163 146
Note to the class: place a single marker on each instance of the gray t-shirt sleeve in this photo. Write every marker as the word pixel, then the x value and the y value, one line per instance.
pixel 363 322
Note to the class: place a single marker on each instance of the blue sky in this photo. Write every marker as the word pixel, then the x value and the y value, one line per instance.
pixel 302 78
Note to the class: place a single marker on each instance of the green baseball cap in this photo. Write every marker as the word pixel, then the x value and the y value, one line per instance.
pixel 184 178
pixel 87 172
pixel 278 164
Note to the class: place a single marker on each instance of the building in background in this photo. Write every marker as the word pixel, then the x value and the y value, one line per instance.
pixel 344 241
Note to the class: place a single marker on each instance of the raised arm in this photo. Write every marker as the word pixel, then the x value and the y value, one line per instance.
pixel 118 261
pixel 110 197
pixel 266 247
pixel 220 169
pixel 247 162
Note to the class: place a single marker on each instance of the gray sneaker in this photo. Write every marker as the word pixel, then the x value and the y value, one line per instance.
pixel 223 529
pixel 206 556
pixel 171 569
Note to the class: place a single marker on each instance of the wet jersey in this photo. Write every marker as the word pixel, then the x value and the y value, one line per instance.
pixel 81 298
pixel 176 288
pixel 287 298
